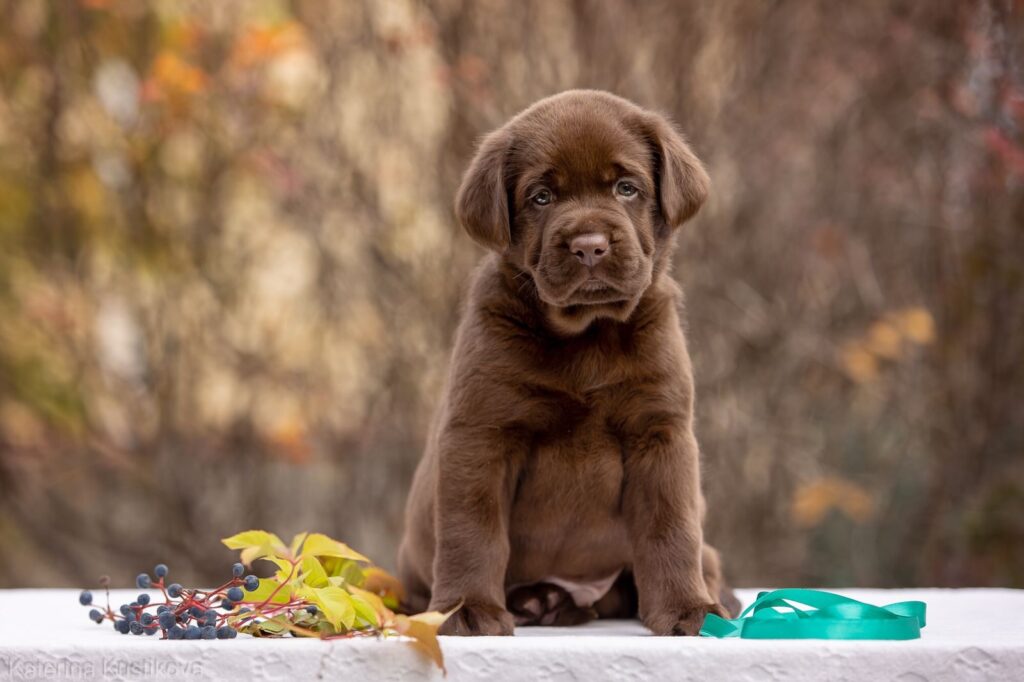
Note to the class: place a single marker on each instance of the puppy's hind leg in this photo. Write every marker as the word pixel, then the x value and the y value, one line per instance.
pixel 416 598
pixel 621 601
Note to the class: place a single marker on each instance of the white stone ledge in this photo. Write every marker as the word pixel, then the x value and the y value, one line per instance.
pixel 975 634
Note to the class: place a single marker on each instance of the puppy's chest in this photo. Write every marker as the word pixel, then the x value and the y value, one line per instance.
pixel 576 464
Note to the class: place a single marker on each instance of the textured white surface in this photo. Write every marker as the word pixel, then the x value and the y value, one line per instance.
pixel 971 635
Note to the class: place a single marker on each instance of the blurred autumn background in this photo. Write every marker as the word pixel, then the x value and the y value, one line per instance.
pixel 229 271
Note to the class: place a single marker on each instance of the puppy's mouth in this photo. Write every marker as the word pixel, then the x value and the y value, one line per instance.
pixel 593 284
pixel 594 291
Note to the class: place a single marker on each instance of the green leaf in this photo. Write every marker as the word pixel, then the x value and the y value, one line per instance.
pixel 275 626
pixel 350 571
pixel 343 572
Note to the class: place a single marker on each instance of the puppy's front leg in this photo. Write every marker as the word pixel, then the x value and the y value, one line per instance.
pixel 663 508
pixel 478 470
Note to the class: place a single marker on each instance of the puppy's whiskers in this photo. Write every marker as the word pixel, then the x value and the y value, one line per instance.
pixel 526 281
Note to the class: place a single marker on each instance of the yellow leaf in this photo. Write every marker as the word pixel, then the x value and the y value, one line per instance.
pixel 251 538
pixel 335 603
pixel 422 628
pixel 383 615
pixel 284 567
pixel 318 544
pixel 365 610
pixel 313 573
pixel 383 584
pixel 256 544
pixel 266 588
pixel 297 541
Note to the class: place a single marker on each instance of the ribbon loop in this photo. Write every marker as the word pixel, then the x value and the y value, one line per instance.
pixel 775 615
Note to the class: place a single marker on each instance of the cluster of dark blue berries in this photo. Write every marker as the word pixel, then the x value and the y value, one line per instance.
pixel 184 613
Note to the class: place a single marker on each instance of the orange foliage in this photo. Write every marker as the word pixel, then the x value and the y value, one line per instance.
pixel 171 77
pixel 815 499
pixel 257 44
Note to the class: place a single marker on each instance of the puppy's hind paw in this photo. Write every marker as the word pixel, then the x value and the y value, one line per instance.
pixel 547 604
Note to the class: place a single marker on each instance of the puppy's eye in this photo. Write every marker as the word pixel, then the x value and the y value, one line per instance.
pixel 543 197
pixel 625 188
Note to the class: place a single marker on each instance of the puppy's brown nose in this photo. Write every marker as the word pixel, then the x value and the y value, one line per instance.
pixel 589 248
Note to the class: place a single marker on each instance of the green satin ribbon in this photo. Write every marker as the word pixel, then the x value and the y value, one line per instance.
pixel 774 616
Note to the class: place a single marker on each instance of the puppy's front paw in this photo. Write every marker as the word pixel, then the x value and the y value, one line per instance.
pixel 684 623
pixel 478 619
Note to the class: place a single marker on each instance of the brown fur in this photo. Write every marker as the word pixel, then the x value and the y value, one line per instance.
pixel 564 444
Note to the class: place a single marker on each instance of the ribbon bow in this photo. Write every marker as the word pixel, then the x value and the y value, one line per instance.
pixel 774 616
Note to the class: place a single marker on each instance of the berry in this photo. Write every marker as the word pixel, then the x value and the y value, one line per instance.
pixel 244 609
pixel 167 620
pixel 136 627
pixel 237 570
pixel 85 598
pixel 175 632
pixel 192 632
pixel 151 630
pixel 311 609
pixel 197 611
pixel 95 615
pixel 143 581
pixel 224 632
pixel 160 570
pixel 208 632
pixel 147 619
pixel 143 599
pixel 131 617
pixel 209 618
pixel 235 594
pixel 174 590
pixel 227 605
pixel 122 626
pixel 252 583
pixel 163 607
pixel 125 609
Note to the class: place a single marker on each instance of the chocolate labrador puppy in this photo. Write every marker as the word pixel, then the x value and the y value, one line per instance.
pixel 561 480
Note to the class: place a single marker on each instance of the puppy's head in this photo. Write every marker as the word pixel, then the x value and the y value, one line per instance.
pixel 583 191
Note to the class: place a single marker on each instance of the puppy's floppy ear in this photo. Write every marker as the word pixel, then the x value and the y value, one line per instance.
pixel 681 180
pixel 482 205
